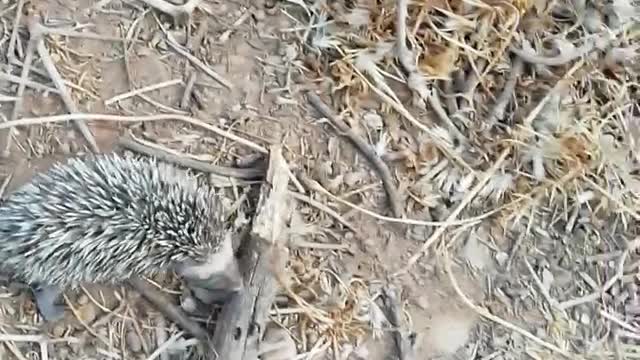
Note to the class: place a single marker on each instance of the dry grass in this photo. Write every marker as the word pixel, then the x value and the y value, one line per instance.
pixel 518 118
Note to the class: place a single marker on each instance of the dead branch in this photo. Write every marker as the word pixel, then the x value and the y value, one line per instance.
pixel 142 118
pixel 497 113
pixel 243 320
pixel 562 59
pixel 169 310
pixel 246 174
pixel 188 91
pixel 197 62
pixel 17 105
pixel 415 81
pixel 55 76
pixel 37 32
pixel 405 341
pixel 366 150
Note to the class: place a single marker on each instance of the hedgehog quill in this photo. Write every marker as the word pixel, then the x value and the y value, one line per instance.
pixel 109 218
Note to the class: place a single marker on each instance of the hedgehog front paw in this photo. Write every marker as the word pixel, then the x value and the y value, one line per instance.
pixel 47 301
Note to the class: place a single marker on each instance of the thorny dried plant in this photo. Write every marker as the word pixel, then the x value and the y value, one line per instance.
pixel 569 117
pixel 332 310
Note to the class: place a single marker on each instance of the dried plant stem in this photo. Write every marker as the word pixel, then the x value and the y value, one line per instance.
pixel 182 160
pixel 561 59
pixel 55 76
pixel 162 348
pixel 142 118
pixel 404 345
pixel 174 10
pixel 17 105
pixel 188 91
pixel 14 31
pixel 454 214
pixel 442 144
pixel 197 62
pixel 381 168
pixel 27 83
pixel 434 101
pixel 486 314
pixel 499 108
pixel 324 208
pixel 536 111
pixel 142 90
pixel 36 338
pixel 406 58
pixel 315 186
pixel 169 310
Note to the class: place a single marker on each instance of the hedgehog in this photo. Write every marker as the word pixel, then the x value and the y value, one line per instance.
pixel 107 218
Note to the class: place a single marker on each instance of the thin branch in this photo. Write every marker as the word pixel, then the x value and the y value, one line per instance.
pixel 499 108
pixel 182 160
pixel 169 310
pixel 368 152
pixel 454 214
pixel 141 118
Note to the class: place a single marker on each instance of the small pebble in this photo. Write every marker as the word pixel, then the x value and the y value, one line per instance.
pixel 83 299
pixel 189 304
pixel 260 15
pixel 133 341
pixel 87 313
pixel 63 353
pixel 58 330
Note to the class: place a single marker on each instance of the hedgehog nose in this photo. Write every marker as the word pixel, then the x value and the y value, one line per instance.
pixel 234 277
pixel 218 287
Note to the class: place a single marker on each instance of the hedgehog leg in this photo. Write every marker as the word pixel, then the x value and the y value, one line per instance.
pixel 46 297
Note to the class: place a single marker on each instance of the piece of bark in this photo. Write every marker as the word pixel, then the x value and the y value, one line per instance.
pixel 404 340
pixel 243 320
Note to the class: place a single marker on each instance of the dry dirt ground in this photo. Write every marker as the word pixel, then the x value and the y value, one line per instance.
pixel 254 59
pixel 252 46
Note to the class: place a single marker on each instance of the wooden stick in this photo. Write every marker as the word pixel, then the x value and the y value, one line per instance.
pixel 246 174
pixel 366 150
pixel 243 320
pixel 37 31
pixel 169 310
pixel 404 341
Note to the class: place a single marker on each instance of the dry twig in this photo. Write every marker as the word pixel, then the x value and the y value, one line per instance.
pixel 169 310
pixel 454 214
pixel 122 118
pixel 381 168
pixel 404 340
pixel 133 145
pixel 500 106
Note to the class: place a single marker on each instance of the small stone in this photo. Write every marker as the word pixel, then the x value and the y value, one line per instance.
pixel 585 319
pixel 373 120
pixel 422 302
pixel 83 299
pixel 87 313
pixel 189 304
pixel 133 341
pixel 501 258
pixel 58 330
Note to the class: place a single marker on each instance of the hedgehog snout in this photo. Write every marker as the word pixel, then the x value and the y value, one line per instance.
pixel 220 269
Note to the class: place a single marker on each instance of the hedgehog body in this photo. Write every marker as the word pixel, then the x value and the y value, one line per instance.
pixel 107 218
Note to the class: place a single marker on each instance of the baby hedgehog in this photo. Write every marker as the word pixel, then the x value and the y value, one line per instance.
pixel 107 218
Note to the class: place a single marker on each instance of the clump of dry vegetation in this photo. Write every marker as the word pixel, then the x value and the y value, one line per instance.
pixel 507 127
pixel 522 112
